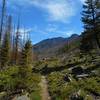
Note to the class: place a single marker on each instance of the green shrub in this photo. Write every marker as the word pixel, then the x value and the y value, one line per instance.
pixel 35 96
pixel 19 78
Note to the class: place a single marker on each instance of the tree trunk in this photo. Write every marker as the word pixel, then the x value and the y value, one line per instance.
pixel 97 41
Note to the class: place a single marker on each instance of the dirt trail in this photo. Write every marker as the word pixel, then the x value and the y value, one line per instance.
pixel 44 89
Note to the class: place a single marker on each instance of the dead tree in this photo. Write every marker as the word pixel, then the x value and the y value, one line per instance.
pixel 2 18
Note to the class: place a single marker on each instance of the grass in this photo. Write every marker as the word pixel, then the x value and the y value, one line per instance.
pixel 16 78
pixel 61 89
pixel 35 96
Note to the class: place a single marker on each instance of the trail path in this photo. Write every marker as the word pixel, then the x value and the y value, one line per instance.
pixel 44 89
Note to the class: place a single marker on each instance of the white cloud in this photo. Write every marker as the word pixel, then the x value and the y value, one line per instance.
pixel 57 10
pixel 60 12
pixel 54 10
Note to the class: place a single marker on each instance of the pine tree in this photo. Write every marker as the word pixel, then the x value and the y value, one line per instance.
pixel 86 43
pixel 5 48
pixel 5 51
pixel 91 21
pixel 27 54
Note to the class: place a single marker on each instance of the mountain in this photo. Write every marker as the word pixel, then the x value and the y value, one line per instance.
pixel 50 47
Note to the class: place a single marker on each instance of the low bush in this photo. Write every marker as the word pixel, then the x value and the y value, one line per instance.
pixel 18 80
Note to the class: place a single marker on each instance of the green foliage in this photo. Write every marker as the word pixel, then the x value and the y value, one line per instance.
pixel 92 85
pixel 91 20
pixel 70 47
pixel 86 43
pixel 61 89
pixel 18 78
pixel 8 79
pixel 51 63
pixel 5 51
pixel 89 97
pixel 27 54
pixel 35 96
pixel 55 83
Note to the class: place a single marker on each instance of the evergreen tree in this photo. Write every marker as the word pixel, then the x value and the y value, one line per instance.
pixel 5 51
pixel 27 54
pixel 86 43
pixel 5 48
pixel 91 21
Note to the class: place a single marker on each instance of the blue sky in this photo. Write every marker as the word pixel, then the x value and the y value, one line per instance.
pixel 47 18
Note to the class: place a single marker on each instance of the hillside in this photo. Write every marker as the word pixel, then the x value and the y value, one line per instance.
pixel 51 47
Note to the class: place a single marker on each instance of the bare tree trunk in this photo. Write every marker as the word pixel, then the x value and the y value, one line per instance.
pixel 17 42
pixel 1 24
pixel 2 18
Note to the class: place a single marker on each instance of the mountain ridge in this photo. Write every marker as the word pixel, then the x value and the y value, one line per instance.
pixel 50 47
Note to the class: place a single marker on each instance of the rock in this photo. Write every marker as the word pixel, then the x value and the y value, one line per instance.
pixel 3 95
pixel 23 97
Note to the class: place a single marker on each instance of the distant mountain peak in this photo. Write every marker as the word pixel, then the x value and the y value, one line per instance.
pixel 74 35
pixel 49 47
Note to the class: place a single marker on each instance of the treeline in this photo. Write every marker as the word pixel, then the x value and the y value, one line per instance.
pixel 16 75
pixel 15 47
pixel 91 20
pixel 90 37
